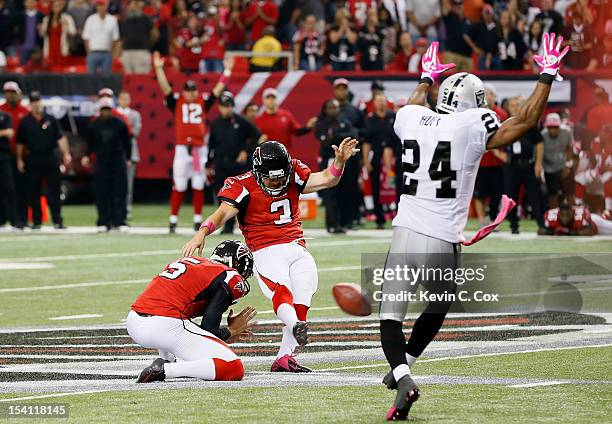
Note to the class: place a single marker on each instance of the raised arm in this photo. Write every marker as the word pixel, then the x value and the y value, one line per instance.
pixel 224 212
pixel 432 69
pixel 514 128
pixel 331 176
pixel 158 64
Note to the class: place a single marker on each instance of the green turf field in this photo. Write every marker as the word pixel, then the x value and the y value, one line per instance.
pixel 468 375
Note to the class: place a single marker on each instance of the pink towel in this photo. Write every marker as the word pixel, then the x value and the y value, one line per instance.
pixel 197 166
pixel 507 205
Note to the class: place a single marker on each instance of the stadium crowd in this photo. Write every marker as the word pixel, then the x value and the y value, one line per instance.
pixel 119 35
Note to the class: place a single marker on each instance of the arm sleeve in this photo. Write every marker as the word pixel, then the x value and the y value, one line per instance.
pixel 20 137
pixel 234 193
pixel 126 141
pixel 209 101
pixel 302 173
pixel 171 100
pixel 215 308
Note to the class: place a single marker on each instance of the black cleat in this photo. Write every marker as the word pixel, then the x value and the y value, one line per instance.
pixel 154 372
pixel 196 226
pixel 300 332
pixel 172 228
pixel 407 394
pixel 389 381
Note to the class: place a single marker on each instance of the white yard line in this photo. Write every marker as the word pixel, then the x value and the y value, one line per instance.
pixel 10 266
pixel 141 281
pixel 447 358
pixel 538 384
pixel 53 395
pixel 176 252
pixel 82 316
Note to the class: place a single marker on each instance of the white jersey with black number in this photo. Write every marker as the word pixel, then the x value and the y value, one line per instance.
pixel 440 158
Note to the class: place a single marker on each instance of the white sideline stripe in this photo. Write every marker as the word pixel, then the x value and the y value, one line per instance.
pixel 446 358
pixel 175 252
pixel 10 266
pixel 54 395
pixel 287 84
pixel 538 384
pixel 82 316
pixel 142 281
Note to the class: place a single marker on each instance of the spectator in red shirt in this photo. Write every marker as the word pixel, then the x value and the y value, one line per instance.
pixel 56 28
pixel 602 58
pixel 400 60
pixel 235 32
pixel 260 14
pixel 189 45
pixel 213 48
pixel 279 124
pixel 600 113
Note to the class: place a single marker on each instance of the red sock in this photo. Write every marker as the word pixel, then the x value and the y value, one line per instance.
pixel 176 198
pixel 228 370
pixel 301 311
pixel 198 201
pixel 281 295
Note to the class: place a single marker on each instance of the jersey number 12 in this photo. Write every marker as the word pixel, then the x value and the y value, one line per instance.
pixel 439 169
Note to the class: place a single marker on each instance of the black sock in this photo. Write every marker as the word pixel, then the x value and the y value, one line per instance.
pixel 425 329
pixel 393 342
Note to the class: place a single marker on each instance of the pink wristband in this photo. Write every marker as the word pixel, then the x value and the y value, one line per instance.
pixel 224 79
pixel 209 224
pixel 336 172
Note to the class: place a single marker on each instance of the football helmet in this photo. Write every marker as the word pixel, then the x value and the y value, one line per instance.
pixel 237 255
pixel 460 92
pixel 272 161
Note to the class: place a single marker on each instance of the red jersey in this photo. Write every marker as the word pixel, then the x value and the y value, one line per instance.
pixel 180 291
pixel 213 47
pixel 368 106
pixel 582 219
pixel 279 126
pixel 266 220
pixel 189 57
pixel 359 10
pixel 269 8
pixel 17 113
pixel 189 118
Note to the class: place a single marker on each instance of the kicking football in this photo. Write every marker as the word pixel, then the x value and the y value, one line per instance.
pixel 351 299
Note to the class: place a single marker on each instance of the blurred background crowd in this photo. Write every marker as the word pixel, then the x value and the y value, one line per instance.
pixel 119 35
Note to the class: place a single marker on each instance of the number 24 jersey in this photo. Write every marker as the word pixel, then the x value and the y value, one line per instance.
pixel 440 158
pixel 266 220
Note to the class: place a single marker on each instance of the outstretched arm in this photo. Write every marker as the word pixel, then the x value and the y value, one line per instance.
pixel 158 64
pixel 224 212
pixel 514 128
pixel 331 176
pixel 432 69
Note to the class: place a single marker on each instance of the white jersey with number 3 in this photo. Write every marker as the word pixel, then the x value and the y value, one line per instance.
pixel 440 158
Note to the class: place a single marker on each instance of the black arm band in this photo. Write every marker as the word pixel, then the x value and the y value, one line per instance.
pixel 426 80
pixel 546 79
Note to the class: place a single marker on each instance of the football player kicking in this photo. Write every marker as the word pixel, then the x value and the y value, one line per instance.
pixel 440 158
pixel 266 203
pixel 191 287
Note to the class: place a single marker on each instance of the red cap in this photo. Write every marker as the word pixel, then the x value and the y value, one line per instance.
pixel 101 2
pixel 421 42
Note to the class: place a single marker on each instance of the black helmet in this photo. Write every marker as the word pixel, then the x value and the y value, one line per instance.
pixel 272 160
pixel 234 254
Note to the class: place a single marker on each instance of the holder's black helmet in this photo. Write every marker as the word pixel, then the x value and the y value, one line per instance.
pixel 234 254
pixel 271 160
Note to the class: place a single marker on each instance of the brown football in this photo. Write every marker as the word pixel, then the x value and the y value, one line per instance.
pixel 351 300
